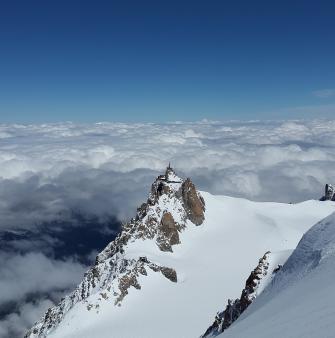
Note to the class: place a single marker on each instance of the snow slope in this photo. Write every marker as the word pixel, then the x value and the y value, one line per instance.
pixel 212 262
pixel 300 300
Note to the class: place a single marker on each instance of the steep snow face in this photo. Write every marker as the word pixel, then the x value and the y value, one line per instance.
pixel 259 277
pixel 300 300
pixel 176 263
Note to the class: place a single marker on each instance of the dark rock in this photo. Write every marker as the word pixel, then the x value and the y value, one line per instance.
pixel 329 193
pixel 141 211
pixel 169 274
pixel 143 259
pixel 277 268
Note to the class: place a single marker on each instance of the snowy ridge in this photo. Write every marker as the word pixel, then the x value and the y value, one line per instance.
pixel 235 307
pixel 172 201
pixel 300 300
pixel 315 247
pixel 258 279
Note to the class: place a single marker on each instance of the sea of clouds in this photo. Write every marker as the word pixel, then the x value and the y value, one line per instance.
pixel 56 178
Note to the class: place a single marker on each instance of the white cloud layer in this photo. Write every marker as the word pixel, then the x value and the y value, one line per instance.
pixel 30 276
pixel 106 168
pixel 48 275
pixel 16 323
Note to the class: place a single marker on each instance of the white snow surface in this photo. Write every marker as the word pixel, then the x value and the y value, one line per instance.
pixel 212 263
pixel 300 300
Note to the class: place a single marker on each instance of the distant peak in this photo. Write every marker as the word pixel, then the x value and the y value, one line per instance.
pixel 329 193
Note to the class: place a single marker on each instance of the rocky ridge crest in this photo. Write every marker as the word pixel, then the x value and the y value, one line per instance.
pixel 172 202
pixel 236 307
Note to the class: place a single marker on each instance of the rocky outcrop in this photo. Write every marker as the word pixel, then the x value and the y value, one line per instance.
pixel 140 268
pixel 168 234
pixel 193 202
pixel 169 274
pixel 329 193
pixel 236 307
pixel 172 202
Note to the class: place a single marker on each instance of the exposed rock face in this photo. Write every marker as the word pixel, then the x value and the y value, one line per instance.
pixel 169 274
pixel 169 230
pixel 236 307
pixel 171 203
pixel 140 268
pixel 329 193
pixel 193 202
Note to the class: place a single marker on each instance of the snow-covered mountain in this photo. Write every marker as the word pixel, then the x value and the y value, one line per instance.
pixel 299 302
pixel 174 265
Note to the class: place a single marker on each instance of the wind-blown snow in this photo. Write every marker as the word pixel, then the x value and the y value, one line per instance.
pixel 212 263
pixel 300 301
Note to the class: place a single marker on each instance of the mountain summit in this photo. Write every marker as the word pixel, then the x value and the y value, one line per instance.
pixel 176 262
pixel 171 203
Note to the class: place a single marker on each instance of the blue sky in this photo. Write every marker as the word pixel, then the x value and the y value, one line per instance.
pixel 166 60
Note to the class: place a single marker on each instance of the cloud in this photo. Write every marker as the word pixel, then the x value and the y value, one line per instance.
pixel 17 323
pixel 106 168
pixel 32 276
pixel 35 273
pixel 324 93
pixel 62 186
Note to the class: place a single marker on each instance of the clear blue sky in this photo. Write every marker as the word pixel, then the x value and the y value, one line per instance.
pixel 166 60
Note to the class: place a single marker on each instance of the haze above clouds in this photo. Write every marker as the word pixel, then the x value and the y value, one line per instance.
pixel 57 178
